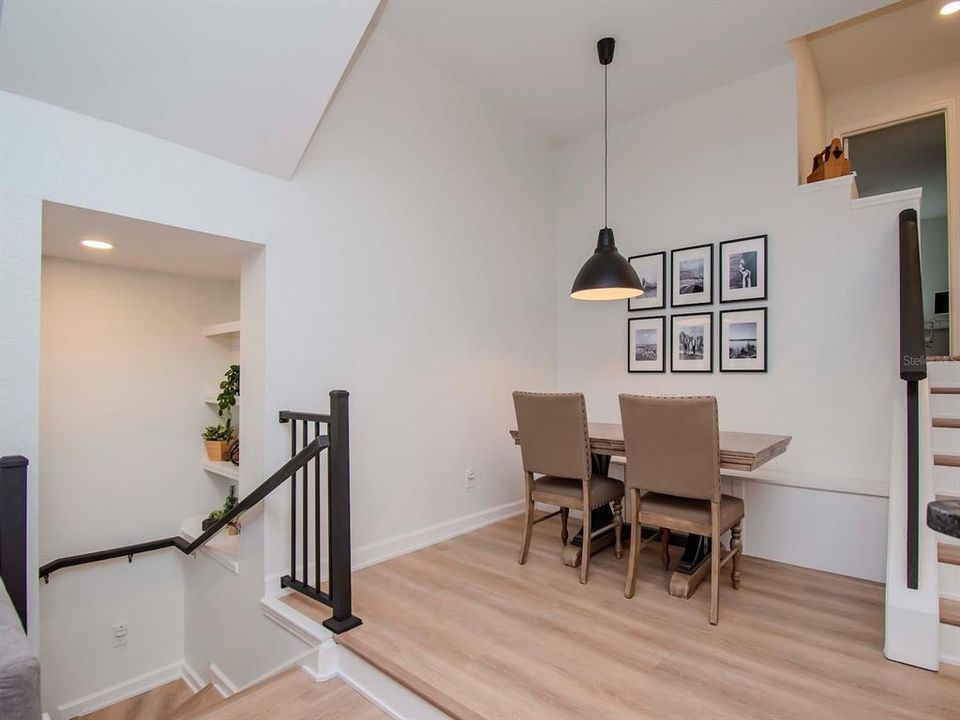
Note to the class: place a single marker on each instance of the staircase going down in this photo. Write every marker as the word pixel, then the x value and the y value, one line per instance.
pixel 292 695
pixel 945 411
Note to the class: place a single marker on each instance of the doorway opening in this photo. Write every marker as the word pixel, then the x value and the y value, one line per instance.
pixel 142 327
pixel 913 154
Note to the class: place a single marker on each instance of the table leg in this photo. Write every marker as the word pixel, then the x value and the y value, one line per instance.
pixel 694 566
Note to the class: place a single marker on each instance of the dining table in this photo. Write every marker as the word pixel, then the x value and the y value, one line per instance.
pixel 743 451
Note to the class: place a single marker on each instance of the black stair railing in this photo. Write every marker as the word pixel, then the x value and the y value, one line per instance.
pixel 339 593
pixel 913 369
pixel 338 507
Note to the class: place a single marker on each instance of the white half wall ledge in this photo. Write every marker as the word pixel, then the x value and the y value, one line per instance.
pixel 807 481
pixel 833 183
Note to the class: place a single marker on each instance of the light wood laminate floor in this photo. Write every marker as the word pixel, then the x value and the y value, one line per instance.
pixel 151 705
pixel 500 640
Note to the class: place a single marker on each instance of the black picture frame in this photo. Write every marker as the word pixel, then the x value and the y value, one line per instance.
pixel 664 343
pixel 673 346
pixel 723 351
pixel 707 276
pixel 723 281
pixel 661 287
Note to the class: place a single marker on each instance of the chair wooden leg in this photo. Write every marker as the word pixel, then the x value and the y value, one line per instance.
pixel 736 547
pixel 665 547
pixel 715 551
pixel 585 555
pixel 564 515
pixel 634 558
pixel 527 531
pixel 618 528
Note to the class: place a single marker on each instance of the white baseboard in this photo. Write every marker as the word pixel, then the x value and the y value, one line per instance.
pixel 123 691
pixel 223 684
pixel 191 677
pixel 383 550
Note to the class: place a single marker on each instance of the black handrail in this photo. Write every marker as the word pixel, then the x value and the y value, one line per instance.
pixel 266 487
pixel 13 531
pixel 337 440
pixel 913 369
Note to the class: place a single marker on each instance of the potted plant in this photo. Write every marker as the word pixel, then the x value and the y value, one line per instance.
pixel 229 503
pixel 217 440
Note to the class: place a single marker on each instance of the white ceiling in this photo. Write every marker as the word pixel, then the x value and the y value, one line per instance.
pixel 900 40
pixel 244 81
pixel 537 60
pixel 140 244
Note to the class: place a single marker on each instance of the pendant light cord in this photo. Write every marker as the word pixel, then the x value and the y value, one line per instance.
pixel 605 146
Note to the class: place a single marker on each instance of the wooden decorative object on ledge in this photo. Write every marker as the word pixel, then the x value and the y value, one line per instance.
pixel 830 163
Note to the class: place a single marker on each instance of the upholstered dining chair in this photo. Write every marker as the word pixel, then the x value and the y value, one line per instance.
pixel 673 477
pixel 555 445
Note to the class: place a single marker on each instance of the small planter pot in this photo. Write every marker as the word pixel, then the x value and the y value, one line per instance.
pixel 217 450
pixel 207 524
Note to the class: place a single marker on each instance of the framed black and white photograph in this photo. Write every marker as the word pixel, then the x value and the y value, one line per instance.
pixel 743 269
pixel 743 340
pixel 650 269
pixel 646 344
pixel 691 342
pixel 691 276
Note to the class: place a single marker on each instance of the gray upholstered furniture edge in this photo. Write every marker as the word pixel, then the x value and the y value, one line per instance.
pixel 19 668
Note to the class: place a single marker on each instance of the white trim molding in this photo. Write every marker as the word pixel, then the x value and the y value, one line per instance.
pixel 223 684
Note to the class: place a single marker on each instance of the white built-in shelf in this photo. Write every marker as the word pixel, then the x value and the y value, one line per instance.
pixel 211 399
pixel 222 468
pixel 222 548
pixel 227 328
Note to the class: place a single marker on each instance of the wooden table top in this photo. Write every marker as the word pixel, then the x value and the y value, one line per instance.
pixel 738 450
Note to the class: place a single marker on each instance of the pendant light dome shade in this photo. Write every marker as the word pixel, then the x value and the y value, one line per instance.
pixel 606 275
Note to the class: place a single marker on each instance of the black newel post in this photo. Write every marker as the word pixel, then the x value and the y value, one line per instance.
pixel 338 490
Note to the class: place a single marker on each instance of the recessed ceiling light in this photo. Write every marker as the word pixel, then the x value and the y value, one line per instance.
pixel 950 8
pixel 97 244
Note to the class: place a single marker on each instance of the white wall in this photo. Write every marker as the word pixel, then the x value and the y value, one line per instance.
pixel 410 261
pixel 123 368
pixel 811 107
pixel 723 166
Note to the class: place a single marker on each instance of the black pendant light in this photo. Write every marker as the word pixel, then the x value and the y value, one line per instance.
pixel 606 275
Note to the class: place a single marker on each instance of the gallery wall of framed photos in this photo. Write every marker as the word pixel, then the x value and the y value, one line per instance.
pixel 690 337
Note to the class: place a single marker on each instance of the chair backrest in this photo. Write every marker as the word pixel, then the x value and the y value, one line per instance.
pixel 673 445
pixel 554 439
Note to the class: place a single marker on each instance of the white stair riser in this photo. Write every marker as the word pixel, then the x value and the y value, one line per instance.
pixel 945 405
pixel 950 581
pixel 946 440
pixel 943 373
pixel 946 480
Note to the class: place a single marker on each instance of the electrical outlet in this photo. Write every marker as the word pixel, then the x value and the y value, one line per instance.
pixel 470 476
pixel 119 635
